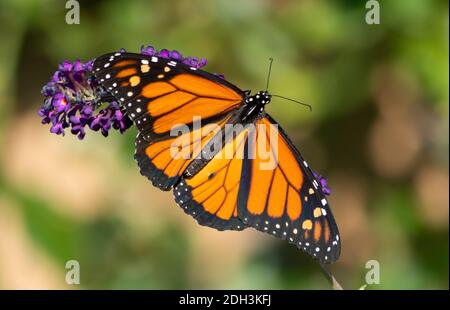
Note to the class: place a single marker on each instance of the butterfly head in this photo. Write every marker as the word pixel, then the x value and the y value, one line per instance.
pixel 260 99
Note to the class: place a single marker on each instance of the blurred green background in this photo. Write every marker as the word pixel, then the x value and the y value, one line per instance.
pixel 378 131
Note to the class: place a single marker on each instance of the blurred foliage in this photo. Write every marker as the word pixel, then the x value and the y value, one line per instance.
pixel 379 131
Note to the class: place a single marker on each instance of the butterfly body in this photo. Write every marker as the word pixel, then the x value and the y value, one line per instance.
pixel 254 105
pixel 224 181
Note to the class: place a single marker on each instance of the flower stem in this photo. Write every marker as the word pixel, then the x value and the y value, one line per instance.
pixel 334 283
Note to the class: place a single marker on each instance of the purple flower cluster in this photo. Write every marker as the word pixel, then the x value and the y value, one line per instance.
pixel 174 55
pixel 324 184
pixel 72 97
pixel 75 100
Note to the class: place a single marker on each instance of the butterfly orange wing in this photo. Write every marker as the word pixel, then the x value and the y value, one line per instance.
pixel 210 196
pixel 279 194
pixel 162 97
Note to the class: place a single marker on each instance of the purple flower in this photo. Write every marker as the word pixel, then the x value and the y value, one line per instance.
pixel 174 55
pixel 72 98
pixel 323 184
pixel 60 103
pixel 202 62
pixel 77 66
pixel 65 66
pixel 57 128
pixel 149 50
pixel 164 53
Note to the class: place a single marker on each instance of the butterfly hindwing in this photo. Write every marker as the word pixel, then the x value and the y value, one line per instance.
pixel 164 161
pixel 210 196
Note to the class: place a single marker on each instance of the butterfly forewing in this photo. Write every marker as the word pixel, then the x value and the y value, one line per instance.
pixel 280 196
pixel 165 97
pixel 159 93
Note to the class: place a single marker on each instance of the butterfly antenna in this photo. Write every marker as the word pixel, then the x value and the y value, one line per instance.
pixel 267 87
pixel 299 102
pixel 268 75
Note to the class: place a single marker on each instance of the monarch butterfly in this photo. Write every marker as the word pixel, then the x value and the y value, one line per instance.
pixel 225 193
